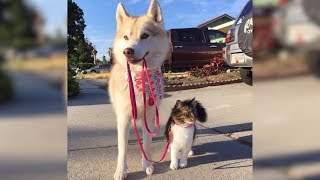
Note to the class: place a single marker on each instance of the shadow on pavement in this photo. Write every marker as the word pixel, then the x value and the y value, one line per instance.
pixel 216 152
pixel 234 128
pixel 312 177
pixel 137 175
pixel 289 160
pixel 33 169
pixel 205 154
pixel 227 166
pixel 230 129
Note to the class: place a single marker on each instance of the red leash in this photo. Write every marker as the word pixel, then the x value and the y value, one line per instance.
pixel 134 109
pixel 143 74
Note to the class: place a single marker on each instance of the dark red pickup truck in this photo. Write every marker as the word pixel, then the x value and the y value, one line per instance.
pixel 193 47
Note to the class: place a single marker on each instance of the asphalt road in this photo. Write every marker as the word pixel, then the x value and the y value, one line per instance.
pixel 33 130
pixel 286 124
pixel 222 147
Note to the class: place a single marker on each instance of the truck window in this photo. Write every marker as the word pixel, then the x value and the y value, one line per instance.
pixel 191 36
pixel 216 37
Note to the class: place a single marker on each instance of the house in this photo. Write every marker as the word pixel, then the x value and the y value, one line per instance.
pixel 221 23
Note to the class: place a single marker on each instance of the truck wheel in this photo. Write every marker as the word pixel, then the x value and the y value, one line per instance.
pixel 246 76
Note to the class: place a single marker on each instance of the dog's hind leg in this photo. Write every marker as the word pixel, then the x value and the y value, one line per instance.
pixel 123 125
pixel 147 141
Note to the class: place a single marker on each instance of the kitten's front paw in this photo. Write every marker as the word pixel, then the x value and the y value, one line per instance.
pixel 120 174
pixel 173 166
pixel 190 153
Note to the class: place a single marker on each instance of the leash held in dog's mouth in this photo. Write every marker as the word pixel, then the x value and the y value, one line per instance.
pixel 135 61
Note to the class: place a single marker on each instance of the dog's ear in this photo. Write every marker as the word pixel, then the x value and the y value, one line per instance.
pixel 154 12
pixel 178 104
pixel 121 14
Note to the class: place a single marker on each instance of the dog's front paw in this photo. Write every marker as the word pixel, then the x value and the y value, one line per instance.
pixel 173 166
pixel 149 170
pixel 183 164
pixel 147 166
pixel 120 174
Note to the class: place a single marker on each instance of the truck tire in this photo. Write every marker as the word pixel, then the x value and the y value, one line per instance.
pixel 246 76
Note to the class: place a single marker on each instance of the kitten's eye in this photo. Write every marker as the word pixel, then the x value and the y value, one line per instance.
pixel 126 37
pixel 144 36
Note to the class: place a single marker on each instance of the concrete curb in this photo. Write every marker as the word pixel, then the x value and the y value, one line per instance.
pixel 169 88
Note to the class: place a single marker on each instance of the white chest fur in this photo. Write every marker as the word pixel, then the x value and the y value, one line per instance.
pixel 182 136
pixel 181 144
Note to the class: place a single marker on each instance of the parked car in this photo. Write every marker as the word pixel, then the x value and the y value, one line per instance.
pixel 297 27
pixel 238 50
pixel 191 47
pixel 97 69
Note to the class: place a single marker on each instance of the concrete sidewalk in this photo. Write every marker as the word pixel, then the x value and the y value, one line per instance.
pixel 92 136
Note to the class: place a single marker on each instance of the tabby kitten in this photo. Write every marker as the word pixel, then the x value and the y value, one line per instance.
pixel 181 129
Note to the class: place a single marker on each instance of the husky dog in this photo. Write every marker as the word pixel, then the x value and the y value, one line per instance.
pixel 137 38
pixel 181 130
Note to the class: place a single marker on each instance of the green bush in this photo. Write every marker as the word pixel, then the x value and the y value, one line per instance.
pixel 73 85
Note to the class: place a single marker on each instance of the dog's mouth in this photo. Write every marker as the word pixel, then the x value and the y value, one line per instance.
pixel 135 61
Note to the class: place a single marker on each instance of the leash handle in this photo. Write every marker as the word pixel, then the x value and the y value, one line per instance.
pixel 134 116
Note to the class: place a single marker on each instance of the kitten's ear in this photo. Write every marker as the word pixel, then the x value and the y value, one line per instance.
pixel 178 104
pixel 193 102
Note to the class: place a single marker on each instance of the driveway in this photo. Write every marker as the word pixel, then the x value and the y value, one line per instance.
pixel 222 147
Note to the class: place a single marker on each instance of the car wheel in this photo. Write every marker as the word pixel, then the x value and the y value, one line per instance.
pixel 246 76
pixel 93 71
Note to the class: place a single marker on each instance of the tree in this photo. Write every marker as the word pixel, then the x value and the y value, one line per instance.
pixel 110 55
pixel 58 39
pixel 104 60
pixel 18 24
pixel 79 48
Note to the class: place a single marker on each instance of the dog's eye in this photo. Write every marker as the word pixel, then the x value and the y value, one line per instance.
pixel 144 36
pixel 126 37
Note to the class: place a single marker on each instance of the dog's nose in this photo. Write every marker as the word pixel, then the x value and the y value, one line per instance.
pixel 128 52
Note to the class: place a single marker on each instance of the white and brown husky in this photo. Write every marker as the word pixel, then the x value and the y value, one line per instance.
pixel 136 38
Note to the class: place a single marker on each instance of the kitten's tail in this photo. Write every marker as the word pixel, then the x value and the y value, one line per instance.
pixel 201 113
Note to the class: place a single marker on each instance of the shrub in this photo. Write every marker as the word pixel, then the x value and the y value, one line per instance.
pixel 213 68
pixel 168 75
pixel 6 90
pixel 73 85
